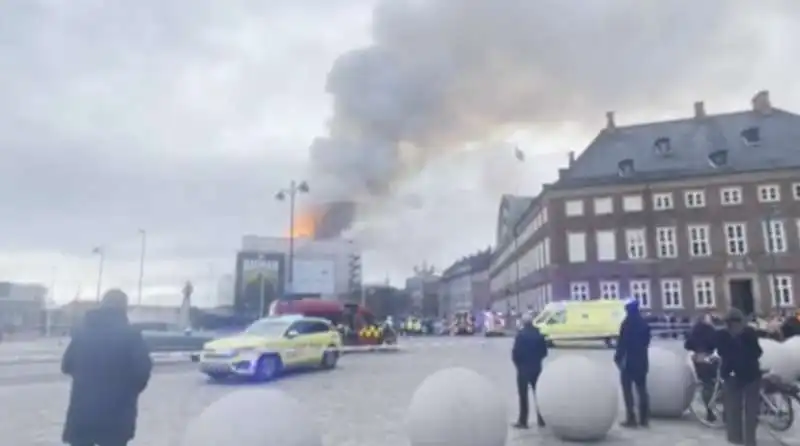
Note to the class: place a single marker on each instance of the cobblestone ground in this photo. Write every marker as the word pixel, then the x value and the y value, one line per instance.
pixel 361 403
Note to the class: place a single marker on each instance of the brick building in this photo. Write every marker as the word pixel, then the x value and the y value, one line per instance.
pixel 695 213
pixel 464 285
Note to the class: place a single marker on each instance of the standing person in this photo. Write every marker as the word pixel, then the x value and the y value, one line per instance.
pixel 738 347
pixel 702 342
pixel 633 363
pixel 528 353
pixel 110 366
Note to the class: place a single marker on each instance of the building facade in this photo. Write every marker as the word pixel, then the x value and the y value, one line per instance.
pixel 464 286
pixel 689 215
pixel 22 306
pixel 423 290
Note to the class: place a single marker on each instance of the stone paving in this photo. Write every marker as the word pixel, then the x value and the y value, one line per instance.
pixel 361 403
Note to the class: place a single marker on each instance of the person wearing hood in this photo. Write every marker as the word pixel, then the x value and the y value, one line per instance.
pixel 631 359
pixel 110 366
pixel 528 353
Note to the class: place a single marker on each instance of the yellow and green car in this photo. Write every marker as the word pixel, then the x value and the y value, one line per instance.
pixel 271 346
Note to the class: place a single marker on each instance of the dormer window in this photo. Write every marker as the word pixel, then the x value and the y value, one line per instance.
pixel 662 146
pixel 718 158
pixel 625 167
pixel 751 136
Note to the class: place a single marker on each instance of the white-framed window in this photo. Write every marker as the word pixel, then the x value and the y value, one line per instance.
pixel 666 237
pixel 640 290
pixel 671 294
pixel 609 290
pixel 579 291
pixel 662 201
pixel 796 191
pixel 576 247
pixel 730 196
pixel 704 296
pixel 694 199
pixel 573 208
pixel 699 240
pixel 782 290
pixel 636 243
pixel 606 245
pixel 769 193
pixel 736 238
pixel 632 203
pixel 603 206
pixel 774 236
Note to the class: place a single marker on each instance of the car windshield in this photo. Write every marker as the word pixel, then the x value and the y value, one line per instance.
pixel 543 316
pixel 267 327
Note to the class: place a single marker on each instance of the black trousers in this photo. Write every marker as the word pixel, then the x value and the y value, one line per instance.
pixel 525 381
pixel 639 382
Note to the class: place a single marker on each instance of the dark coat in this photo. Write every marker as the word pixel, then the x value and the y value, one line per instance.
pixel 110 366
pixel 790 328
pixel 633 344
pixel 740 355
pixel 529 351
pixel 702 339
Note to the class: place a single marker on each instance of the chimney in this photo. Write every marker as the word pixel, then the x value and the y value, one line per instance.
pixel 699 110
pixel 610 123
pixel 571 158
pixel 761 103
pixel 562 174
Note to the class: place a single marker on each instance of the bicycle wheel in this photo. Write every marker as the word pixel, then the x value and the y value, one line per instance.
pixel 710 416
pixel 777 412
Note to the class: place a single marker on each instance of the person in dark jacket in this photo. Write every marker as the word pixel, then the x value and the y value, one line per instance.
pixel 528 353
pixel 738 347
pixel 110 366
pixel 702 342
pixel 631 358
pixel 791 326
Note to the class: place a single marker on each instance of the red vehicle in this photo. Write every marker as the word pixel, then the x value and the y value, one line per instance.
pixel 357 324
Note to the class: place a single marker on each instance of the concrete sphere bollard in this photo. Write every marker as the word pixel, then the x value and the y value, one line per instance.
pixel 776 358
pixel 670 383
pixel 253 417
pixel 791 348
pixel 457 406
pixel 578 398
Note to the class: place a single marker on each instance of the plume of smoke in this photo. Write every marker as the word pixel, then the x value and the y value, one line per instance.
pixel 442 73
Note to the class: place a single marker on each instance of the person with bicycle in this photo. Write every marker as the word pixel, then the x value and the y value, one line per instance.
pixel 740 352
pixel 702 343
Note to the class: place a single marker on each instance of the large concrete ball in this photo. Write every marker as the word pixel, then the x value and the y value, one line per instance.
pixel 776 358
pixel 670 383
pixel 578 398
pixel 457 406
pixel 792 348
pixel 253 417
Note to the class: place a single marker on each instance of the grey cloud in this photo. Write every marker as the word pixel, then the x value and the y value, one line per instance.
pixel 443 73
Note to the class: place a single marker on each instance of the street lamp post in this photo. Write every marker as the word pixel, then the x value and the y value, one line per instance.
pixel 143 235
pixel 100 251
pixel 290 193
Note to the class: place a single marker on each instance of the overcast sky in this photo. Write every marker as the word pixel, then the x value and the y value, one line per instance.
pixel 184 118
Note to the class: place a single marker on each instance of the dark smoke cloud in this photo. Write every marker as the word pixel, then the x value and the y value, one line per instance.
pixel 441 73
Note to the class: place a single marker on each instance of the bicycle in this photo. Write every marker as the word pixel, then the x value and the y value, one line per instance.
pixel 776 396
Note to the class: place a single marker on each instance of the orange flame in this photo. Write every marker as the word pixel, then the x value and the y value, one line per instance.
pixel 305 224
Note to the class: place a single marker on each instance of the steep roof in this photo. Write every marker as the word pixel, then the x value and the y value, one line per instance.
pixel 468 265
pixel 512 207
pixel 691 141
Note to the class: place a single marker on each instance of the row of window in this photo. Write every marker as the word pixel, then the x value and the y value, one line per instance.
pixel 535 259
pixel 703 291
pixel 668 247
pixel 692 199
pixel 538 222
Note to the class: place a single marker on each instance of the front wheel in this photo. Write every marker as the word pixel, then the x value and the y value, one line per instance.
pixel 330 357
pixel 711 415
pixel 268 368
pixel 777 412
pixel 611 342
pixel 216 377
